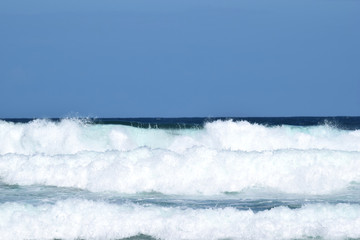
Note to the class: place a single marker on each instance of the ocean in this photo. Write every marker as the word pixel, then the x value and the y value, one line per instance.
pixel 180 178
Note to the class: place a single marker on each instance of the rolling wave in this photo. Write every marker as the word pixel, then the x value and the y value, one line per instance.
pixel 70 136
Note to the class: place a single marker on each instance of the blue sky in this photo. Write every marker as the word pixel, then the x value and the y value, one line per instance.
pixel 184 58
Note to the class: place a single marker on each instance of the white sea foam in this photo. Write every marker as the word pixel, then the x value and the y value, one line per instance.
pixel 72 219
pixel 225 156
pixel 253 137
pixel 198 170
pixel 72 136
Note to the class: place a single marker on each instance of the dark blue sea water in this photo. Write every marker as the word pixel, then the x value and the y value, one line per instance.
pixel 342 122
pixel 180 178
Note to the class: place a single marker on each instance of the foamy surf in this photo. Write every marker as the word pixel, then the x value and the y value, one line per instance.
pixel 75 179
pixel 195 171
pixel 74 219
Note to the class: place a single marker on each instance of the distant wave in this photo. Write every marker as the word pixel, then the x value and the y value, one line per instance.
pixel 71 136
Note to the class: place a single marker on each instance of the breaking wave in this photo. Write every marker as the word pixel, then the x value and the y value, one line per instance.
pixel 224 156
pixel 71 136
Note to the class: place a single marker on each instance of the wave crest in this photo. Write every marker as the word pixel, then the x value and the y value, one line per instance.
pixel 71 136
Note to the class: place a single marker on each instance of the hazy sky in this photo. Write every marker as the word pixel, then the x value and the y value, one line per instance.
pixel 183 58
